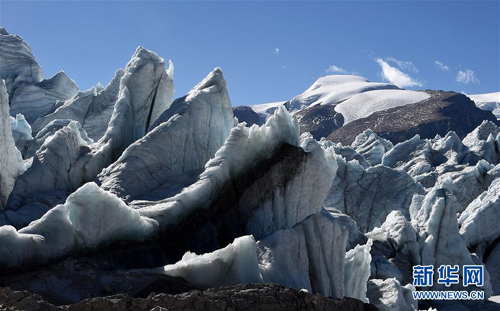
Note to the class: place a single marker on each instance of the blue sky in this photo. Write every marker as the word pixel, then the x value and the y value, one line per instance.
pixel 269 51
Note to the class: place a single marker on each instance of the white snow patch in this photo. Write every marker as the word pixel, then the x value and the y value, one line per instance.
pixel 363 105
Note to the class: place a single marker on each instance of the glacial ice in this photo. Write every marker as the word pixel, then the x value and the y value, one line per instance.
pixel 76 225
pixel 302 257
pixel 435 220
pixel 312 215
pixel 17 63
pixel 65 159
pixel 395 249
pixel 301 195
pixel 92 109
pixel 357 271
pixel 362 193
pixel 10 157
pixel 390 295
pixel 479 221
pixel 187 135
pixel 21 131
pixel 283 259
pixel 52 165
pixel 371 146
pixel 236 263
pixel 32 146
pixel 35 100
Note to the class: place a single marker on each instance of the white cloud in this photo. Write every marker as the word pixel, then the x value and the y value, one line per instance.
pixel 403 64
pixel 441 65
pixel 467 76
pixel 276 51
pixel 336 69
pixel 396 76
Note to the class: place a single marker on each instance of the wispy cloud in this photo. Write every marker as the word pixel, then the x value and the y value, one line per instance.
pixel 335 69
pixel 396 76
pixel 276 50
pixel 441 65
pixel 467 76
pixel 403 64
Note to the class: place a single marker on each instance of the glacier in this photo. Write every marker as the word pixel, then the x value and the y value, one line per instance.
pixel 122 186
pixel 90 217
pixel 182 140
pixel 134 111
pixel 10 157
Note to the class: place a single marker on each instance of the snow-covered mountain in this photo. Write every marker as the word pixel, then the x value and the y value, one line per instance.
pixel 124 190
pixel 488 101
pixel 336 101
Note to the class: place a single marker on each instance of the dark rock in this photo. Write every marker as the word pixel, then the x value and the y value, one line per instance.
pixel 319 120
pixel 259 297
pixel 246 114
pixel 439 114
pixel 164 284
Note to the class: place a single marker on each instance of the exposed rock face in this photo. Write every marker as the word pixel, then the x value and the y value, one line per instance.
pixel 319 120
pixel 442 112
pixel 246 114
pixel 240 297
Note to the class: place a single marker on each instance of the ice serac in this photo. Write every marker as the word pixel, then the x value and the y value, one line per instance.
pixel 92 109
pixel 389 295
pixel 423 158
pixel 308 256
pixel 50 129
pixel 434 218
pixel 326 241
pixel 144 85
pixel 182 140
pixel 479 220
pixel 395 249
pixel 258 172
pixel 371 146
pixel 17 63
pixel 21 131
pixel 357 271
pixel 35 100
pixel 481 141
pixel 468 182
pixel 150 89
pixel 52 166
pixel 363 194
pixel 89 218
pixel 10 157
pixel 283 259
pixel 479 229
pixel 235 264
